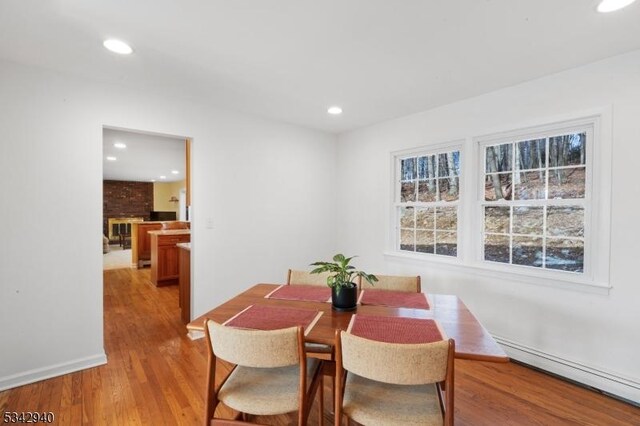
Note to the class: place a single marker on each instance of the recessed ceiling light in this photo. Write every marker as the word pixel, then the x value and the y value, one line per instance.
pixel 175 172
pixel 117 46
pixel 334 110
pixel 613 5
pixel 110 158
pixel 120 145
pixel 163 177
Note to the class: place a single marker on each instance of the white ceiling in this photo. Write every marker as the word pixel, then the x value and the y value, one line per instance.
pixel 146 157
pixel 290 59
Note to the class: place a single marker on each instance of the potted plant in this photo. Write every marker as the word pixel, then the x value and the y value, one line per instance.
pixel 344 294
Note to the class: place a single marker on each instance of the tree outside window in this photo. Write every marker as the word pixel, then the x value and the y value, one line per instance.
pixel 534 202
pixel 428 191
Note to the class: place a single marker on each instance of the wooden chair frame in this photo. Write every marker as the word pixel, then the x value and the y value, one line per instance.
pixel 305 398
pixel 418 282
pixel 445 389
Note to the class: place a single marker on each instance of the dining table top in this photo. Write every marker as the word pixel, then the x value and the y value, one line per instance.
pixel 472 341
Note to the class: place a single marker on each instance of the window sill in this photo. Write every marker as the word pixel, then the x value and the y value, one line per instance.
pixel 552 279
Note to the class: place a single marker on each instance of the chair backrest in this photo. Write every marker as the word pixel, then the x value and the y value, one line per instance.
pixel 256 348
pixel 402 364
pixel 297 277
pixel 397 283
pixel 307 278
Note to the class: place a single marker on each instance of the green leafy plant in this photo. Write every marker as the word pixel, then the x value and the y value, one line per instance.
pixel 342 273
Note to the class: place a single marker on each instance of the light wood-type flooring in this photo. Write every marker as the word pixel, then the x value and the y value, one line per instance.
pixel 156 376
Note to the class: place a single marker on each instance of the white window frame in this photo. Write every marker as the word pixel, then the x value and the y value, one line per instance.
pixel 594 279
pixel 584 202
pixel 396 158
pixel 597 193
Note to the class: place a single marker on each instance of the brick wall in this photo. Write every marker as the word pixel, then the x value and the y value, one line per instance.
pixel 125 199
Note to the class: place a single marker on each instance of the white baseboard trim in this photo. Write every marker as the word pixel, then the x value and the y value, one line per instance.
pixel 613 383
pixel 55 370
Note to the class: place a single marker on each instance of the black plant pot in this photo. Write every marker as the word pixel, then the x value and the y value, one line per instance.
pixel 344 300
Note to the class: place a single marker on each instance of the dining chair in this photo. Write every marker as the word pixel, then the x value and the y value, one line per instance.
pixel 272 374
pixel 398 283
pixel 298 277
pixel 390 383
pixel 315 350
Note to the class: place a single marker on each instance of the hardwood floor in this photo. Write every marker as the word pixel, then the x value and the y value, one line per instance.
pixel 155 376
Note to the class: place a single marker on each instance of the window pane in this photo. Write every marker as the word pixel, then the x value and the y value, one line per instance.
pixel 425 241
pixel 427 190
pixel 406 240
pixel 422 167
pixel 424 218
pixel 565 221
pixel 566 183
pixel 499 158
pixel 448 188
pixel 406 217
pixel 496 248
pixel 454 163
pixel 565 255
pixel 408 169
pixel 531 154
pixel 428 179
pixel 408 174
pixel 447 243
pixel 426 167
pixel 528 220
pixel 530 185
pixel 496 219
pixel 567 150
pixel 446 218
pixel 449 164
pixel 497 187
pixel 527 251
pixel 408 191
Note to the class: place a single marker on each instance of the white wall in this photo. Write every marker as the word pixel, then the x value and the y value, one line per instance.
pixel 592 338
pixel 263 184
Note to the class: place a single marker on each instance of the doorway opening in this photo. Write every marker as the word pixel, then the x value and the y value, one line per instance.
pixel 146 195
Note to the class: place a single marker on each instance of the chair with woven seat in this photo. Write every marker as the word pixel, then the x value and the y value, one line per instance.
pixel 398 283
pixel 298 277
pixel 316 350
pixel 272 374
pixel 389 383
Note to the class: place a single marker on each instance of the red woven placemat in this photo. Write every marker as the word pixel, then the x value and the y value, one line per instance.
pixel 396 299
pixel 301 292
pixel 261 317
pixel 396 329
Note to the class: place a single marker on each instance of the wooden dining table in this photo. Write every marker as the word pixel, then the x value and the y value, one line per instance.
pixel 472 339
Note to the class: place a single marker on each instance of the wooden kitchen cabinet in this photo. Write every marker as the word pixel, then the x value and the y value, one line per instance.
pixel 141 241
pixel 164 255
